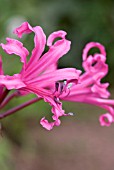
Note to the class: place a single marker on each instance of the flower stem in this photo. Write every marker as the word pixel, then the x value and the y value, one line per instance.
pixel 4 94
pixel 6 100
pixel 17 108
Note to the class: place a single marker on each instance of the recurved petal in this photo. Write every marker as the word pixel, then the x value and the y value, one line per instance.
pixel 56 51
pixel 95 63
pixel 39 41
pixel 44 122
pixel 96 66
pixel 54 35
pixel 106 119
pixel 56 110
pixel 25 28
pixel 93 45
pixel 15 47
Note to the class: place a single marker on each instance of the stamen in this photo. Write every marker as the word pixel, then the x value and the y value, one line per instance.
pixel 62 85
pixel 65 82
pixel 66 93
pixel 71 114
pixel 57 100
pixel 57 86
pixel 69 85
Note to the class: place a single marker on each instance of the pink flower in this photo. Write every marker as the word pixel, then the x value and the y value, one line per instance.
pixel 39 75
pixel 90 89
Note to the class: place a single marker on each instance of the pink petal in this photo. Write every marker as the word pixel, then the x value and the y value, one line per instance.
pixel 56 110
pixel 46 124
pixel 41 92
pixel 101 89
pixel 106 119
pixel 15 47
pixel 93 45
pixel 52 68
pixel 52 77
pixel 49 125
pixel 54 35
pixel 99 69
pixel 39 40
pixel 12 82
pixel 50 98
pixel 55 52
pixel 25 28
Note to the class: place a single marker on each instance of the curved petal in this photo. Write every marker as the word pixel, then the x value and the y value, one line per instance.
pixel 96 66
pixel 39 40
pixel 56 51
pixel 93 45
pixel 106 119
pixel 53 101
pixel 15 47
pixel 56 110
pixel 54 35
pixel 25 28
pixel 44 122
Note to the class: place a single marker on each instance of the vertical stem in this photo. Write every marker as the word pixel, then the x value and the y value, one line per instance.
pixel 7 99
pixel 4 94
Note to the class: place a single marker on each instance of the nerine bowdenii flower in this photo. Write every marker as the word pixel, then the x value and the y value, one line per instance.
pixel 39 75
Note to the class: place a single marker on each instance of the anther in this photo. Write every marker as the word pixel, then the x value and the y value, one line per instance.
pixel 57 86
pixel 71 114
pixel 69 85
pixel 57 100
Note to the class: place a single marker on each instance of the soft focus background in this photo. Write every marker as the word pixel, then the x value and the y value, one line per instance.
pixel 79 143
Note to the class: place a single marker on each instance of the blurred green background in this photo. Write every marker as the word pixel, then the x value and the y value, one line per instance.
pixel 79 143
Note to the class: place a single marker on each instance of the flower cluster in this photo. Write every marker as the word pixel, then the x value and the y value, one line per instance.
pixel 40 75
